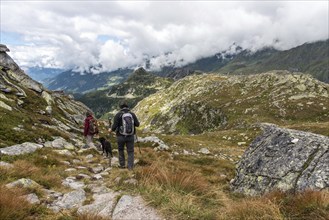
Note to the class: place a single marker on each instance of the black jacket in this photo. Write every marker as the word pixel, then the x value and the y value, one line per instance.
pixel 117 121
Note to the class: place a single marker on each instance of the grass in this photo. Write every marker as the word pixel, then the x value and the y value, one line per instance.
pixel 180 187
pixel 13 206
pixel 304 205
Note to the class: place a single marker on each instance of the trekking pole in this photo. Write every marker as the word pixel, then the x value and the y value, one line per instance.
pixel 138 144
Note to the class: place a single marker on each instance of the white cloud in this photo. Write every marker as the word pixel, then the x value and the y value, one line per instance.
pixel 67 33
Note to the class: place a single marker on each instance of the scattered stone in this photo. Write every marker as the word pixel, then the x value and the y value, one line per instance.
pixel 97 177
pixel 130 207
pixel 66 162
pixel 70 170
pixel 242 143
pixel 72 183
pixel 5 106
pixel 52 195
pixel 6 165
pixel 131 181
pixel 283 159
pixel 82 168
pixel 97 169
pixel 96 189
pixel 185 152
pixel 295 140
pixel 82 176
pixel 62 143
pixel 24 182
pixel 32 198
pixel 161 145
pixel 70 200
pixel 19 149
pixel 114 161
pixel 117 180
pixel 64 152
pixel 75 161
pixel 102 206
pixel 89 156
pixel 204 151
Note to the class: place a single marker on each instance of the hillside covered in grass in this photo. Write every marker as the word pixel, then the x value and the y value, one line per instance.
pixel 209 102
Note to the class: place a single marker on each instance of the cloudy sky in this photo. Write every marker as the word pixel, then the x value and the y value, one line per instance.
pixel 79 34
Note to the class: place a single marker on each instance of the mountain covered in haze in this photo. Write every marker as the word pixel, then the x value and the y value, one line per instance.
pixel 75 82
pixel 309 58
pixel 43 74
pixel 138 85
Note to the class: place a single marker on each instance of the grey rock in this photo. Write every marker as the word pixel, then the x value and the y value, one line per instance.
pixel 72 183
pixel 130 207
pixel 82 176
pixel 97 169
pixel 51 194
pixel 5 106
pixel 24 182
pixel 75 161
pixel 60 143
pixel 89 156
pixel 70 170
pixel 102 206
pixel 66 162
pixel 156 141
pixel 204 151
pixel 131 181
pixel 19 149
pixel 64 152
pixel 3 48
pixel 283 159
pixel 6 165
pixel 70 200
pixel 97 177
pixel 32 198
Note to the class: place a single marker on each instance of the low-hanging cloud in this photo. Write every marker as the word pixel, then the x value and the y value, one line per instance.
pixel 112 35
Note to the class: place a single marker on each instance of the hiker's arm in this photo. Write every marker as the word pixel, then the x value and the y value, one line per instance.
pixel 136 122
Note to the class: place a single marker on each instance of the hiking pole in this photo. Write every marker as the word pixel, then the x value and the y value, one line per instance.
pixel 138 144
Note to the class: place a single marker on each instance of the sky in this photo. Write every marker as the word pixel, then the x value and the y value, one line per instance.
pixel 116 34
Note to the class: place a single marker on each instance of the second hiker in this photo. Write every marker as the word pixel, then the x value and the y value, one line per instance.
pixel 90 129
pixel 124 124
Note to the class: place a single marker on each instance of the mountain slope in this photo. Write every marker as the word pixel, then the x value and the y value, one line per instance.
pixel 208 102
pixel 29 112
pixel 139 85
pixel 75 82
pixel 310 58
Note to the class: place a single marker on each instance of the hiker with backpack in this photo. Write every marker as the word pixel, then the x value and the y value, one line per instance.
pixel 124 124
pixel 90 129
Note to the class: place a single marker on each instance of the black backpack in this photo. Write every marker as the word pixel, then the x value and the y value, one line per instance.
pixel 93 126
pixel 127 126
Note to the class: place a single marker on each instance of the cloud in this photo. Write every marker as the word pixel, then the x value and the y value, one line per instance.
pixel 81 34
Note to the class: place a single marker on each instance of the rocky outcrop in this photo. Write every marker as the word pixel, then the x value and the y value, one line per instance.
pixel 283 159
pixel 134 207
pixel 19 149
pixel 48 112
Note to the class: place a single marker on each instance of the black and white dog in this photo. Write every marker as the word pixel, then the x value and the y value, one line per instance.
pixel 106 147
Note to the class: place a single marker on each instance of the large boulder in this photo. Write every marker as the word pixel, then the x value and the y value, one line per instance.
pixel 283 159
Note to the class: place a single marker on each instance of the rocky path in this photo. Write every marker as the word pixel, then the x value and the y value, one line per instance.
pixel 85 187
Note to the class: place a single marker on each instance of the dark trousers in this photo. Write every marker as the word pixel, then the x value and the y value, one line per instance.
pixel 129 142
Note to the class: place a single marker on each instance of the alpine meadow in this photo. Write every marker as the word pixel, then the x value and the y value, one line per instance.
pixel 164 110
